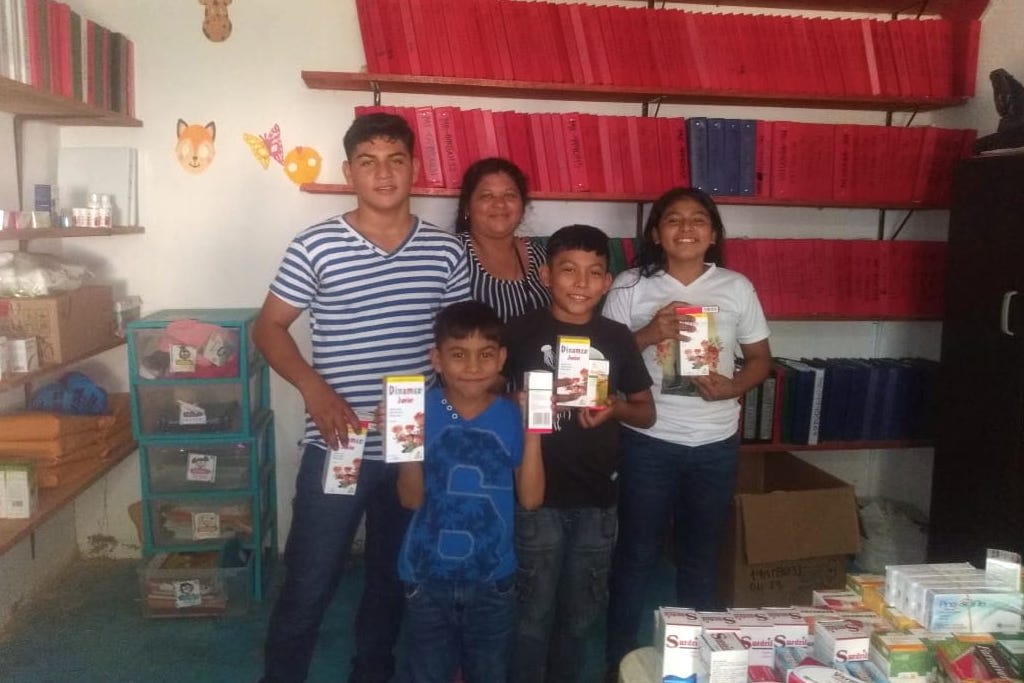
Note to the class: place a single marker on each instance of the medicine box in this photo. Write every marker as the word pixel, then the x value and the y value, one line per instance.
pixel 723 657
pixel 694 350
pixel 404 401
pixel 342 464
pixel 841 640
pixel 18 490
pixel 573 370
pixel 676 633
pixel 537 413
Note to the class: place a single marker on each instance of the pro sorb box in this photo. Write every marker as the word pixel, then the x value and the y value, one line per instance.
pixel 537 413
pixel 695 350
pixel 341 466
pixel 573 370
pixel 404 414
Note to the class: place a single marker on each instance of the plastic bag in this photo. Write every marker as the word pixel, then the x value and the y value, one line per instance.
pixel 25 275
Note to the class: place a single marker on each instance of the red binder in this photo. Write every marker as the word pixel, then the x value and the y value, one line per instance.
pixel 540 154
pixel 430 152
pixel 592 153
pixel 449 146
pixel 575 152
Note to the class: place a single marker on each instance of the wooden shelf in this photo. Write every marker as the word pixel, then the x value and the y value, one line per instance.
pixel 329 188
pixel 32 103
pixel 22 378
pixel 835 446
pixel 478 87
pixel 840 318
pixel 61 233
pixel 52 500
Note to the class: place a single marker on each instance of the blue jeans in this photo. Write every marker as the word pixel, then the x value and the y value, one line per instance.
pixel 323 526
pixel 564 557
pixel 661 481
pixel 451 624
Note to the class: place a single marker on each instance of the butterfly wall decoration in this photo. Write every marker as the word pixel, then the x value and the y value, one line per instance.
pixel 267 146
pixel 301 164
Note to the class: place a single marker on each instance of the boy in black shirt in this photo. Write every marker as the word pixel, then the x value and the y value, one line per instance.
pixel 564 547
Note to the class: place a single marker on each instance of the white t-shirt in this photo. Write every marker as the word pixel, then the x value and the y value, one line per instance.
pixel 683 416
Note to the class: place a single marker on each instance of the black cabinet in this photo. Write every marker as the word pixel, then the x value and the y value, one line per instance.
pixel 977 488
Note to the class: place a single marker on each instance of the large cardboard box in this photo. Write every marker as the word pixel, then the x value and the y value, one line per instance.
pixel 791 529
pixel 68 325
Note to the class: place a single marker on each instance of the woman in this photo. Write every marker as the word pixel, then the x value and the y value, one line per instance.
pixel 684 467
pixel 503 269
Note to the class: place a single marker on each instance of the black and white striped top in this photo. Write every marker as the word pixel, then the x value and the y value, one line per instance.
pixel 509 298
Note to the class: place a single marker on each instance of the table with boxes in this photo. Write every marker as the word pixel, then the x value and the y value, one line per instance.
pixel 928 623
pixel 200 412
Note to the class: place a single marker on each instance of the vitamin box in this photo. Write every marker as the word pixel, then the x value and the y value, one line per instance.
pixel 537 413
pixel 573 370
pixel 676 632
pixel 341 466
pixel 403 418
pixel 693 351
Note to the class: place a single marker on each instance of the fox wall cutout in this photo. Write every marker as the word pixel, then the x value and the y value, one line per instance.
pixel 195 149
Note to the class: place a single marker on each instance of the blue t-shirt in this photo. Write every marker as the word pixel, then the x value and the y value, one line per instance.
pixel 464 529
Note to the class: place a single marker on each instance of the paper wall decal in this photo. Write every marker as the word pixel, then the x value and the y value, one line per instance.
pixel 302 165
pixel 216 23
pixel 267 146
pixel 195 147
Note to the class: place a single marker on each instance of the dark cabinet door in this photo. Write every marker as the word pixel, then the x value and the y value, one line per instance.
pixel 976 485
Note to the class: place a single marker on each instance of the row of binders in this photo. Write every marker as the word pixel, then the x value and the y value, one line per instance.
pixel 814 400
pixel 46 44
pixel 669 49
pixel 855 279
pixel 857 165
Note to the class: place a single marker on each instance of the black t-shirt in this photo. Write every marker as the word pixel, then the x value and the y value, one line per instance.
pixel 579 464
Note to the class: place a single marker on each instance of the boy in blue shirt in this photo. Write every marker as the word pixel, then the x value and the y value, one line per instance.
pixel 458 559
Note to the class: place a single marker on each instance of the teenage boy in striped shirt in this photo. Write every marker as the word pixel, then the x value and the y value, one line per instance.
pixel 372 280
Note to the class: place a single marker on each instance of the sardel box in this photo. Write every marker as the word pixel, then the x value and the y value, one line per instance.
pixel 791 529
pixel 68 325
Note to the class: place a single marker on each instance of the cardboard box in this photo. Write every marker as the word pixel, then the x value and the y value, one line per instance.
pixel 68 325
pixel 791 528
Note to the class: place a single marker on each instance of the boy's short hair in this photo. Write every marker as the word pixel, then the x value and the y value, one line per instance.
pixel 581 237
pixel 464 319
pixel 378 125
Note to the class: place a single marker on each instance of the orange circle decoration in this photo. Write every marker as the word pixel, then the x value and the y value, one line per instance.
pixel 302 165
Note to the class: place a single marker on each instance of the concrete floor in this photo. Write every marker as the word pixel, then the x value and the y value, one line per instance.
pixel 88 627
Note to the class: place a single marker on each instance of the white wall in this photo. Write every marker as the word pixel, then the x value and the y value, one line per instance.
pixel 215 239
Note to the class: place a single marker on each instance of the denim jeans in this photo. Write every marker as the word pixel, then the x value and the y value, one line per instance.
pixel 323 526
pixel 661 481
pixel 452 624
pixel 564 556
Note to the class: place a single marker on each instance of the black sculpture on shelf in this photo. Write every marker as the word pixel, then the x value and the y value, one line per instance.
pixel 1009 97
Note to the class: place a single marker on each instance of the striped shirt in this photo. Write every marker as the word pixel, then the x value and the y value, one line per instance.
pixel 371 313
pixel 509 298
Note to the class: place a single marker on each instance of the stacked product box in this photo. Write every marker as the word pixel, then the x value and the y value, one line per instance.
pixel 863 671
pixel 841 640
pixel 676 638
pixel 723 658
pixel 901 657
pixel 819 674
